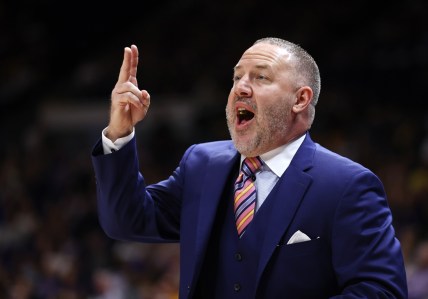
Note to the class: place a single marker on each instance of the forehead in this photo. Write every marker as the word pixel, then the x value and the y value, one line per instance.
pixel 264 54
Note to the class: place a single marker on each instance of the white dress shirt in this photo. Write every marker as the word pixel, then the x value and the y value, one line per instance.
pixel 110 146
pixel 275 163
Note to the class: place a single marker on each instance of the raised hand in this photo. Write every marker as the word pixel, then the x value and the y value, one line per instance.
pixel 129 104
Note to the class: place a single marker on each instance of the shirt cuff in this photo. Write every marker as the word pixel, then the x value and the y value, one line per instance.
pixel 110 146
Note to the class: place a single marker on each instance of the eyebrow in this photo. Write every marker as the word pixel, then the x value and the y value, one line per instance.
pixel 258 66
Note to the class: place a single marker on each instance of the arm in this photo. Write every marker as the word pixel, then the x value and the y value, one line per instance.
pixel 127 209
pixel 366 255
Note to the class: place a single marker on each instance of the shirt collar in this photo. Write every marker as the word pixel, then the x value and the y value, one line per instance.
pixel 278 159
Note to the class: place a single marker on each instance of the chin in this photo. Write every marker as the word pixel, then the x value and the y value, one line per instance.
pixel 244 143
pixel 245 149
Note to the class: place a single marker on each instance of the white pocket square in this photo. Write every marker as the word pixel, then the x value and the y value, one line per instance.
pixel 298 237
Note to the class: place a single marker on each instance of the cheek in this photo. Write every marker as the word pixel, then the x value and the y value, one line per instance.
pixel 269 111
pixel 265 107
pixel 230 101
pixel 231 96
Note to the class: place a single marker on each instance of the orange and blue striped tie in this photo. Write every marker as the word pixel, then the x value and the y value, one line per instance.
pixel 245 193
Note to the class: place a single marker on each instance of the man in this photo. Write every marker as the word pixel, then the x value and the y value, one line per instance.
pixel 299 221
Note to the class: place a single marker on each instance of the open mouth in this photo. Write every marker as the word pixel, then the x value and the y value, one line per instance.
pixel 244 115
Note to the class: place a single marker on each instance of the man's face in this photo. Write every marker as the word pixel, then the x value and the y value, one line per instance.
pixel 259 106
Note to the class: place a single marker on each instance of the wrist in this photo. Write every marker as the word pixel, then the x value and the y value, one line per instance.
pixel 113 134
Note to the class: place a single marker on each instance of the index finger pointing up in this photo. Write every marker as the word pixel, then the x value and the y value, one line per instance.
pixel 129 64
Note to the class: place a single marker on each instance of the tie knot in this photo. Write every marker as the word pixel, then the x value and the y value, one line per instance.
pixel 251 165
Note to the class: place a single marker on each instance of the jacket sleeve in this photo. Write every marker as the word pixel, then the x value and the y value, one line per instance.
pixel 127 209
pixel 367 257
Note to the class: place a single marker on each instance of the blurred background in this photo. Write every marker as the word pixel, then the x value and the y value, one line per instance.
pixel 60 60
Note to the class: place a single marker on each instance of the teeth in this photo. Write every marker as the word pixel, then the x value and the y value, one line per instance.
pixel 241 111
pixel 244 115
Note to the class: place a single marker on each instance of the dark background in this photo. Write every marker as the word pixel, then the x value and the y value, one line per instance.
pixel 60 60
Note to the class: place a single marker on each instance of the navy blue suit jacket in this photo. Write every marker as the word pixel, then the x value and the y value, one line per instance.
pixel 339 204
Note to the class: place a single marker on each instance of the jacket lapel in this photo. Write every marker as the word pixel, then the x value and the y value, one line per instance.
pixel 220 166
pixel 288 197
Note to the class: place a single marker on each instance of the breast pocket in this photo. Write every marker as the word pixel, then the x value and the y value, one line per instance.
pixel 300 249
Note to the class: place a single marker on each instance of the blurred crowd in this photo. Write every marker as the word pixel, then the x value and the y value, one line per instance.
pixel 58 70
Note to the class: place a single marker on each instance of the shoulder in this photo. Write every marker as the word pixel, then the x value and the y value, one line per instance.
pixel 332 169
pixel 209 150
pixel 317 157
pixel 342 178
pixel 213 147
pixel 327 157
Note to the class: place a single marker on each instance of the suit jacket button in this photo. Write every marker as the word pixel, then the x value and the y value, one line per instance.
pixel 238 257
pixel 236 287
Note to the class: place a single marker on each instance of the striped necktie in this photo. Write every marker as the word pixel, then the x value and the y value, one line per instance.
pixel 245 193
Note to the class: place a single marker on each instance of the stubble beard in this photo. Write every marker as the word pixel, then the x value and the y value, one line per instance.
pixel 270 125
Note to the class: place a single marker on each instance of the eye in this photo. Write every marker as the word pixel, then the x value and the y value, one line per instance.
pixel 261 77
pixel 236 78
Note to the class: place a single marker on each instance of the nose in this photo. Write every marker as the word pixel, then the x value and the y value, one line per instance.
pixel 242 88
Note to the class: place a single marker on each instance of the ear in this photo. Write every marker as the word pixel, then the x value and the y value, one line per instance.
pixel 303 99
